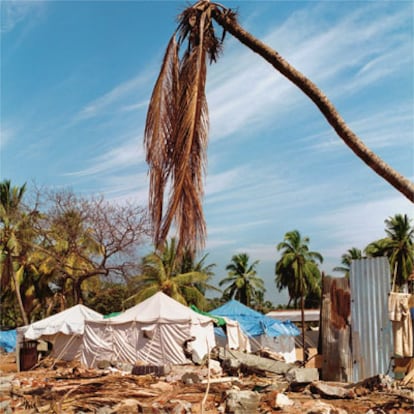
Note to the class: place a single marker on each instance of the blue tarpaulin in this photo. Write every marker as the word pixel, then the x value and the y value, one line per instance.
pixel 8 340
pixel 254 323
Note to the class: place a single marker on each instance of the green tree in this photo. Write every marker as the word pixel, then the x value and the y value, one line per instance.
pixel 298 270
pixel 164 271
pixel 176 130
pixel 242 280
pixel 352 254
pixel 398 246
pixel 15 231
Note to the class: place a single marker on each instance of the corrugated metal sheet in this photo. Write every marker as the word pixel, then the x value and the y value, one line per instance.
pixel 370 281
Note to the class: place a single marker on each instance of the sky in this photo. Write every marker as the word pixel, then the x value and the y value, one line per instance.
pixel 76 78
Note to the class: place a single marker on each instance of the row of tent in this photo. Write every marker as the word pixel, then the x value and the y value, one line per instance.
pixel 158 331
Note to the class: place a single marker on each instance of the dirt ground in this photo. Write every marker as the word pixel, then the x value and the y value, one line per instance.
pixel 68 388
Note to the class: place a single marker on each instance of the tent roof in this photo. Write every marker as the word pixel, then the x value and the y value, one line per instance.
pixel 70 322
pixel 162 309
pixel 254 323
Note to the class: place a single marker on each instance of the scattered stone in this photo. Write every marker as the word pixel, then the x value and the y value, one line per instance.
pixel 242 402
pixel 331 391
pixel 302 375
pixel 253 363
pixel 190 378
pixel 282 401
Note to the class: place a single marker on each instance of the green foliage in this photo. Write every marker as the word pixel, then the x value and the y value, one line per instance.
pixel 243 283
pixel 175 275
pixel 398 246
pixel 109 297
pixel 297 270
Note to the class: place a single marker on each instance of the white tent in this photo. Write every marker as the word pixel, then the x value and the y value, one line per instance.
pixel 154 331
pixel 63 330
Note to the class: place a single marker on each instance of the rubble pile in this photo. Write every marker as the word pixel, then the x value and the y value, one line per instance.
pixel 233 382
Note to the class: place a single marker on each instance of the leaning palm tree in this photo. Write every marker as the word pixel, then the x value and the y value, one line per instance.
pixel 177 122
pixel 242 280
pixel 398 246
pixel 299 262
pixel 352 254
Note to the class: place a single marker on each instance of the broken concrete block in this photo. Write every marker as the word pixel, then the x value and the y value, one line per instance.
pixel 254 363
pixel 302 375
pixel 331 391
pixel 282 401
pixel 242 402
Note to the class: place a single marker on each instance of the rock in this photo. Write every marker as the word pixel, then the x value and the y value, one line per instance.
pixel 190 378
pixel 319 407
pixel 215 367
pixel 254 363
pixel 331 391
pixel 302 375
pixel 242 402
pixel 282 401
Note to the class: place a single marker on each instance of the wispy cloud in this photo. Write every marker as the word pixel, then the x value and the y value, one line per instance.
pixel 119 157
pixel 119 95
pixel 16 12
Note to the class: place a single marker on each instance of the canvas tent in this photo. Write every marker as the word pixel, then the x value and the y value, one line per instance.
pixel 63 330
pixel 263 332
pixel 154 331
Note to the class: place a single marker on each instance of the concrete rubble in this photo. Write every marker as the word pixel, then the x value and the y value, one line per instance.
pixel 231 382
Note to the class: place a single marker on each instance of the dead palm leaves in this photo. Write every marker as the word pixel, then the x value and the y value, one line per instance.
pixel 176 130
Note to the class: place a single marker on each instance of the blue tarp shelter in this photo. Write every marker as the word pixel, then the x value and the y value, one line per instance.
pixel 8 340
pixel 264 332
pixel 255 323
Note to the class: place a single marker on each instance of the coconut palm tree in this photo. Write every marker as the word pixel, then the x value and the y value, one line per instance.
pixel 398 246
pixel 300 264
pixel 163 271
pixel 244 284
pixel 176 129
pixel 352 254
pixel 14 227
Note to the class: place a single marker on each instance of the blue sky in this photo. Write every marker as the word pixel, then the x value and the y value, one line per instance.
pixel 76 77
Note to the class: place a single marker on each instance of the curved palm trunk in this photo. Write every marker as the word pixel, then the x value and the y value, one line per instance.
pixel 394 178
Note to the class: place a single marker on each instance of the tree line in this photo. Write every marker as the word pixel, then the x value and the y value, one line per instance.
pixel 58 249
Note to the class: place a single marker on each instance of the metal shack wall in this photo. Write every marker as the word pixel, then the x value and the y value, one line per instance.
pixel 370 281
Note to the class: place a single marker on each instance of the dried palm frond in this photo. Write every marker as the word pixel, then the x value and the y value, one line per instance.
pixel 176 132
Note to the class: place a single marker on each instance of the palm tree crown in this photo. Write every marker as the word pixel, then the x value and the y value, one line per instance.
pixel 244 284
pixel 164 271
pixel 297 270
pixel 398 246
pixel 352 254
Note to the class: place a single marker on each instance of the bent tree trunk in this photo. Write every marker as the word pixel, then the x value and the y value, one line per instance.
pixel 394 178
